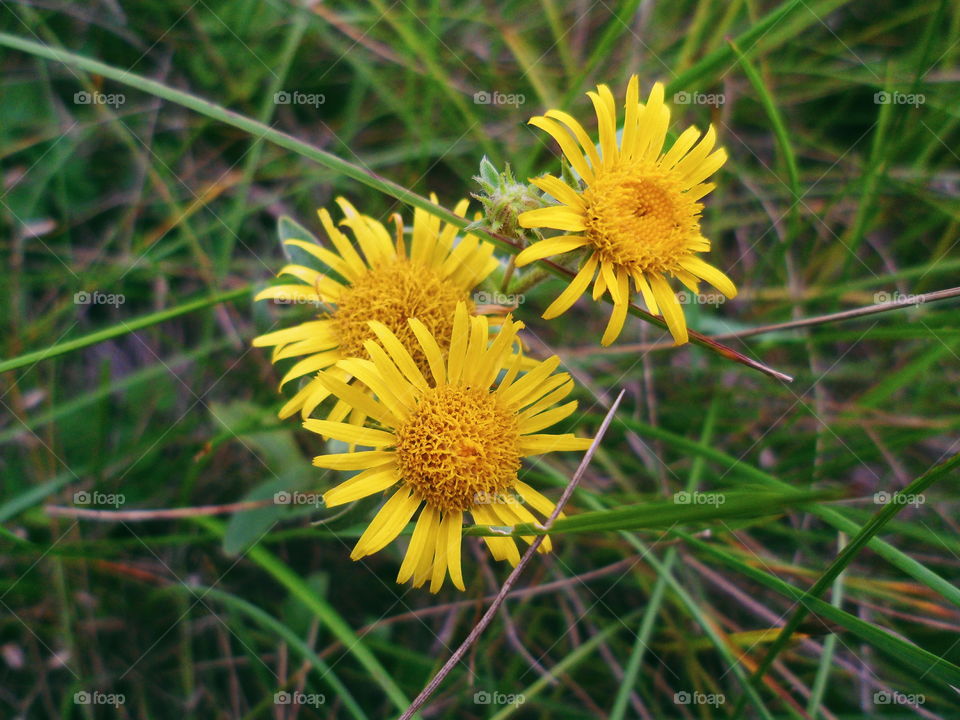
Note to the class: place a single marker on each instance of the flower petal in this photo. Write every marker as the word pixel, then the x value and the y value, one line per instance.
pixel 567 146
pixel 354 460
pixel 558 189
pixel 670 308
pixel 417 548
pixel 711 274
pixel 363 484
pixel 559 217
pixel 351 433
pixel 574 290
pixel 387 524
pixel 550 247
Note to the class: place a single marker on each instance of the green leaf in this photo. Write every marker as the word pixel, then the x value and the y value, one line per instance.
pixel 686 508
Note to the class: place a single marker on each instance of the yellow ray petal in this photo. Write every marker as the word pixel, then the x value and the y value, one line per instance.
pixel 610 280
pixel 628 143
pixel 697 155
pixel 289 294
pixel 358 399
pixel 711 274
pixel 557 188
pixel 567 146
pixel 547 418
pixel 354 460
pixel 297 401
pixel 670 307
pixel 587 145
pixel 366 372
pixel 549 399
pixel 303 347
pixel 453 522
pixel 502 548
pixel 439 558
pixel 708 167
pixel 363 484
pixel 330 259
pixel 538 444
pixel 504 512
pixel 303 331
pixel 619 314
pixel 600 285
pixel 424 566
pixel 698 191
pixel 458 343
pixel 306 275
pixel 656 118
pixel 514 394
pixel 311 364
pixel 649 298
pixel 417 547
pixel 606 111
pixel 574 290
pixel 351 433
pixel 386 524
pixel 449 232
pixel 399 355
pixel 317 395
pixel 399 385
pixel 534 499
pixel 431 350
pixel 549 247
pixel 342 243
pixel 680 148
pixel 559 217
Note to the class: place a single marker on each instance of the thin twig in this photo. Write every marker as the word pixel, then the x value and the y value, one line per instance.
pixel 906 301
pixel 491 612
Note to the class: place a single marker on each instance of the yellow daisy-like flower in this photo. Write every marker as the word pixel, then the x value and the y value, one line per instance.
pixel 638 211
pixel 387 284
pixel 450 439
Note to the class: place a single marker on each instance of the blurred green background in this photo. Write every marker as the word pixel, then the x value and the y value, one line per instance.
pixel 136 218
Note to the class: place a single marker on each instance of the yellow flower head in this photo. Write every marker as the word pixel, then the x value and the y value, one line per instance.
pixel 387 283
pixel 449 439
pixel 638 212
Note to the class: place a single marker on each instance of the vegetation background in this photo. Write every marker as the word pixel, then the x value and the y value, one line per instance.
pixel 841 120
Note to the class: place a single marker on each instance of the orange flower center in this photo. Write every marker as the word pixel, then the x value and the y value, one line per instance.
pixel 638 217
pixel 459 447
